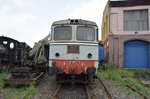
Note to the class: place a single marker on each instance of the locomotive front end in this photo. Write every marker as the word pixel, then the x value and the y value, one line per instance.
pixel 73 48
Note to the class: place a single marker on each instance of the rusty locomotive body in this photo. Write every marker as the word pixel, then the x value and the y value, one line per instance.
pixel 73 50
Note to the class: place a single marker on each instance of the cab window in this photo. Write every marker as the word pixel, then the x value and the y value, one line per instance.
pixel 62 33
pixel 85 33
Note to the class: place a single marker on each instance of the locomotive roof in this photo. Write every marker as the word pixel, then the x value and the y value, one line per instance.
pixel 4 38
pixel 7 38
pixel 74 22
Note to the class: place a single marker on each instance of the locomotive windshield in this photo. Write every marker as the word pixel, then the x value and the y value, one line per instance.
pixel 62 33
pixel 85 33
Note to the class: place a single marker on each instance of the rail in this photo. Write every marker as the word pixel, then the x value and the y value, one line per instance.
pixel 56 91
pixel 87 92
pixel 134 89
pixel 108 93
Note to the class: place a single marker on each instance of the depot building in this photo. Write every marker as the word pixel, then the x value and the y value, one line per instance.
pixel 126 33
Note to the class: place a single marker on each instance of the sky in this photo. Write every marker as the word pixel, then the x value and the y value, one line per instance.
pixel 30 20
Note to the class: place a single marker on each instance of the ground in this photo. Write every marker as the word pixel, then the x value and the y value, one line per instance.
pixel 110 76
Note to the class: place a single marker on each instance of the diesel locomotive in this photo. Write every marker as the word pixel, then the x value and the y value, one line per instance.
pixel 73 50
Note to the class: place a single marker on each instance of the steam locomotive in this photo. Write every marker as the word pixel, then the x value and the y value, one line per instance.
pixel 73 50
pixel 12 52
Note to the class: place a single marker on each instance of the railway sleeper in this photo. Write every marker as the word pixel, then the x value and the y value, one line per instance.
pixel 23 81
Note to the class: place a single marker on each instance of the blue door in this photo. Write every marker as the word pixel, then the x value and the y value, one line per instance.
pixel 136 54
pixel 100 54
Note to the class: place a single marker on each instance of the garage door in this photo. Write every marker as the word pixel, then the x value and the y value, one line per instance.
pixel 136 54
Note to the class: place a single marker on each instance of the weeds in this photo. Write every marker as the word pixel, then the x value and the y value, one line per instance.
pixel 110 72
pixel 3 75
pixel 14 92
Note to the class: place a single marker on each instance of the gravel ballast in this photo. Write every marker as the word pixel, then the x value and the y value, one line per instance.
pixel 48 85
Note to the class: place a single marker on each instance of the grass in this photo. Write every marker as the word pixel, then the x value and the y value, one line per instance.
pixel 110 72
pixel 107 72
pixel 19 93
pixel 13 92
pixel 131 72
pixel 2 76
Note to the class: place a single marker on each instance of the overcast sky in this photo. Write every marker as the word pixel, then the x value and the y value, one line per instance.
pixel 30 20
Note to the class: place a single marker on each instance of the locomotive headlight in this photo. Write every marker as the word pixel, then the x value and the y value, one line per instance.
pixel 57 54
pixel 89 55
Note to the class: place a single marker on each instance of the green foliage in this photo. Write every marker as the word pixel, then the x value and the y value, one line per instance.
pixel 14 92
pixel 19 93
pixel 131 72
pixel 3 75
pixel 110 72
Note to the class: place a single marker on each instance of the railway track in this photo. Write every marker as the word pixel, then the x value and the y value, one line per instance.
pixel 88 92
pixel 56 92
pixel 82 87
pixel 106 90
pixel 132 88
pixel 59 89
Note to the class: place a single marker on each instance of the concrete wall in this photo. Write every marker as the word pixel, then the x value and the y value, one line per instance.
pixel 116 20
pixel 105 23
pixel 116 46
pixel 113 36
